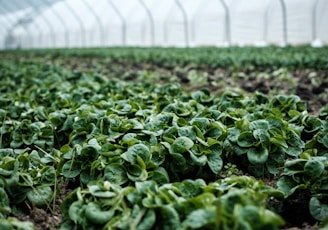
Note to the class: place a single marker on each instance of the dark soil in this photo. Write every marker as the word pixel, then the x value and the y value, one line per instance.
pixel 45 219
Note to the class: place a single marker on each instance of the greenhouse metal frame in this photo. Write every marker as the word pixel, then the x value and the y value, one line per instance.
pixel 185 23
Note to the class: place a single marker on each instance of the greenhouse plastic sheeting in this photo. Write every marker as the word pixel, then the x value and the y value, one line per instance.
pixel 89 23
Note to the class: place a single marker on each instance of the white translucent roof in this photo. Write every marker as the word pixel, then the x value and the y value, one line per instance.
pixel 86 23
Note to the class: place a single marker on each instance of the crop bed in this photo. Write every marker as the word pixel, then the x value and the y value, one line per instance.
pixel 138 138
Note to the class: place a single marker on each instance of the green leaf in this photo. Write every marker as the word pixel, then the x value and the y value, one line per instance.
pixel 181 145
pixel 167 218
pixel 190 188
pixel 292 167
pixel 324 140
pixel 148 221
pixel 88 153
pixel 258 155
pixel 71 169
pixel 318 210
pixel 40 196
pixel 294 140
pixel 135 151
pixel 179 162
pixel 314 169
pixel 200 218
pixel 259 124
pixel 262 136
pixel 187 131
pixel 115 173
pixel 312 124
pixel 275 124
pixel 159 175
pixel 48 175
pixel 293 151
pixel 13 223
pixel 288 186
pixel 279 141
pixel 4 202
pixel 136 173
pixel 273 167
pixel 159 121
pixel 86 176
pixel 233 134
pixel 96 191
pixel 96 214
pixel 246 139
pixel 259 218
pixel 198 160
pixel 6 152
pixel 202 95
pixel 215 162
pixel 75 210
pixel 200 122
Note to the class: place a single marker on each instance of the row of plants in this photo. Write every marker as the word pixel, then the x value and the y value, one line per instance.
pixel 292 70
pixel 148 156
pixel 302 57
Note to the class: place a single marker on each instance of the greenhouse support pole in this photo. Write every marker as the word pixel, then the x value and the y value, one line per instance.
pixel 151 21
pixel 78 19
pixel 101 27
pixel 14 24
pixel 62 21
pixel 38 28
pixel 314 20
pixel 122 20
pixel 8 21
pixel 227 22
pixel 165 30
pixel 8 30
pixel 284 20
pixel 37 9
pixel 185 21
pixel 266 22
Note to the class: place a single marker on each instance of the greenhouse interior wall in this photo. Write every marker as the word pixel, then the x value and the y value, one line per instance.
pixel 29 24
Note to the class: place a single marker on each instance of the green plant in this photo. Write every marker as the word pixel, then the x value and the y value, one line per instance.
pixel 310 174
pixel 147 155
pixel 230 169
pixel 238 202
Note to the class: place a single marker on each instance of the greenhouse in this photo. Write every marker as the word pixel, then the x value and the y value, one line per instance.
pixel 86 23
pixel 176 114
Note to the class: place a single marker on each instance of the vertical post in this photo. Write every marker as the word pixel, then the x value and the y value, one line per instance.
pixel 185 21
pixel 122 20
pixel 78 19
pixel 266 22
pixel 192 32
pixel 36 25
pixel 151 21
pixel 227 22
pixel 314 20
pixel 8 30
pixel 37 9
pixel 8 21
pixel 165 31
pixel 284 18
pixel 18 22
pixel 101 27
pixel 62 22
